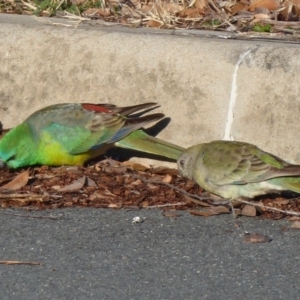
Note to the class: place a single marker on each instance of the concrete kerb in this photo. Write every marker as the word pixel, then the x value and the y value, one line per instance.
pixel 210 88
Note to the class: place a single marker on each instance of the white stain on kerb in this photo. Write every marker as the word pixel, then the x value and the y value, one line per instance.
pixel 233 96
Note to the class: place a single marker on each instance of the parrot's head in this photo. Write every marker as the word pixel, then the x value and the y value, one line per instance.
pixel 186 162
pixel 7 153
pixel 16 148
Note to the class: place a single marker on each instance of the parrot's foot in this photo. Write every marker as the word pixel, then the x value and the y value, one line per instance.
pixel 230 202
pixel 217 200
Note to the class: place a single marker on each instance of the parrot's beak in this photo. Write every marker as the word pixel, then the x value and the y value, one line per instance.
pixel 2 164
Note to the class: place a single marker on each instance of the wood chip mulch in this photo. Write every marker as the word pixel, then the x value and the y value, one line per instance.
pixel 129 185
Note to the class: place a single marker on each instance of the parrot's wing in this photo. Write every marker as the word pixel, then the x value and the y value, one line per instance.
pixel 67 114
pixel 128 110
pixel 106 133
pixel 241 163
pixel 70 138
pixel 76 114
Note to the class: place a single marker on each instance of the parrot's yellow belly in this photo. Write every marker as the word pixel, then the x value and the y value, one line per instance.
pixel 54 154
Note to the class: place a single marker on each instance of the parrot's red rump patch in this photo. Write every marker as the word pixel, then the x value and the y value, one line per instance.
pixel 96 108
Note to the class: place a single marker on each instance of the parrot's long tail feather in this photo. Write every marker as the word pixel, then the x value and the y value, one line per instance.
pixel 288 183
pixel 128 110
pixel 141 141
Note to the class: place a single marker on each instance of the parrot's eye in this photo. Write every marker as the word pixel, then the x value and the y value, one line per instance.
pixel 11 158
pixel 181 163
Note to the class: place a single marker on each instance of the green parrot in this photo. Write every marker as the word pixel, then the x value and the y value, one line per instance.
pixel 236 170
pixel 72 133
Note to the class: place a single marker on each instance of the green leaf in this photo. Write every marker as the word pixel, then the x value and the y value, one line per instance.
pixel 262 28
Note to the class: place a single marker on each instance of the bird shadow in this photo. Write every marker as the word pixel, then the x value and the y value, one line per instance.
pixel 283 194
pixel 158 127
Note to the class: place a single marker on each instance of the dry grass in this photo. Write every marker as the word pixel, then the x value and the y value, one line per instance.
pixel 230 15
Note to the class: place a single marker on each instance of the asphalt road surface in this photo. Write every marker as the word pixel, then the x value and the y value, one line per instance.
pixel 100 254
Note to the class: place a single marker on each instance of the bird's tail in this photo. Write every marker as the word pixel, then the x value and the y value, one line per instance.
pixel 287 183
pixel 141 141
pixel 128 110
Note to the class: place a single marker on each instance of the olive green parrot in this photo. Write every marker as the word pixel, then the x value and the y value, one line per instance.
pixel 236 170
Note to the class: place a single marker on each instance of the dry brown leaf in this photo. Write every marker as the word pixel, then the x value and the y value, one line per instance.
pixel 191 13
pixel 74 186
pixel 281 201
pixel 111 162
pixel 137 182
pixel 152 186
pixel 259 17
pixel 296 225
pixel 201 4
pixel 56 187
pixel 167 179
pixel 295 2
pixel 164 170
pixel 146 8
pixel 269 4
pixel 292 9
pixel 256 238
pixel 154 23
pixel 145 204
pixel 91 182
pixel 115 170
pixel 106 194
pixel 104 12
pixel 262 10
pixel 173 8
pixel 210 211
pixel 112 205
pixel 18 182
pixel 220 210
pixel 136 166
pixel 294 218
pixel 249 211
pixel 201 203
pixel 238 7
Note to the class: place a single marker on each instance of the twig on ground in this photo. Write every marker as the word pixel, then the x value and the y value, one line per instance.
pixel 17 262
pixel 166 205
pixel 43 20
pixel 287 212
pixel 170 186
